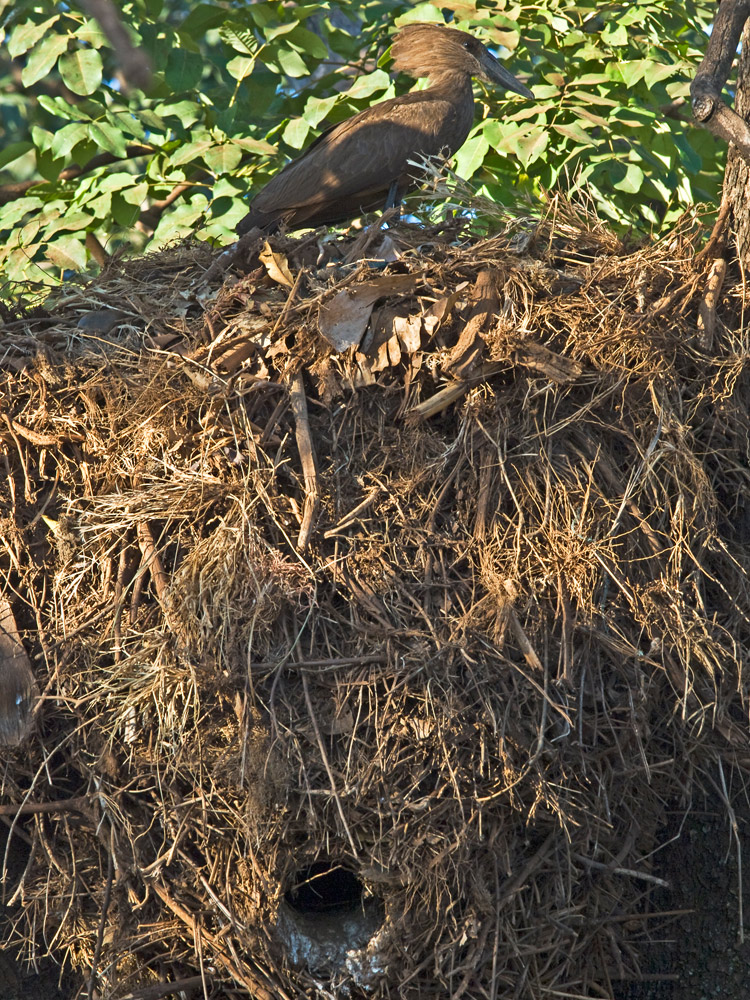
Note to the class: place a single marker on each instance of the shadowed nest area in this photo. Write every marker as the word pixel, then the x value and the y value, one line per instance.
pixel 377 607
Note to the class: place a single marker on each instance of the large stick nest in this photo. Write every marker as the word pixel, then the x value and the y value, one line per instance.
pixel 372 670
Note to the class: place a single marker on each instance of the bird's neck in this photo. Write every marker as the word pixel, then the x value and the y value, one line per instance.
pixel 454 82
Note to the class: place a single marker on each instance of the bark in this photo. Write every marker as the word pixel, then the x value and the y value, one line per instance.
pixel 737 174
pixel 731 125
pixel 713 73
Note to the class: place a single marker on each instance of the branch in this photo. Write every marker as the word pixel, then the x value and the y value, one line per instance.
pixel 10 192
pixel 135 65
pixel 705 91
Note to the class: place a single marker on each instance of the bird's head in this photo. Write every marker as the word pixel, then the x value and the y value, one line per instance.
pixel 434 49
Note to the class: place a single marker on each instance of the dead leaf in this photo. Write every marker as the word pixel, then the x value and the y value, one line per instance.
pixel 277 266
pixel 343 320
pixel 540 358
pixel 469 350
pixel 409 332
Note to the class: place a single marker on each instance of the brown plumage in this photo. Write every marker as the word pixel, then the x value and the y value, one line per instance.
pixel 353 166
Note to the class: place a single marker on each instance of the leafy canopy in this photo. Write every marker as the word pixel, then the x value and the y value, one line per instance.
pixel 241 86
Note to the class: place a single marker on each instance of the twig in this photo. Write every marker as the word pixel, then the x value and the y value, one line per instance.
pixel 353 515
pixel 79 805
pixel 102 923
pixel 324 758
pixel 333 663
pixel 707 307
pixel 242 975
pixel 368 236
pixel 229 256
pixel 631 872
pixel 306 448
pixel 159 990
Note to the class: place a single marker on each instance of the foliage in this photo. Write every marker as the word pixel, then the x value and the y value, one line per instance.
pixel 240 87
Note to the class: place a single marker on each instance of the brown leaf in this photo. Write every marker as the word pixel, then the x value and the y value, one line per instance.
pixel 343 320
pixel 409 332
pixel 277 266
pixel 469 350
pixel 535 355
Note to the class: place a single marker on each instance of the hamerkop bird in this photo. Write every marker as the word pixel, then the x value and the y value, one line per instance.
pixel 362 164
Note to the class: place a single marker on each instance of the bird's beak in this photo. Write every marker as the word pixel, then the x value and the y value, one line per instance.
pixel 494 72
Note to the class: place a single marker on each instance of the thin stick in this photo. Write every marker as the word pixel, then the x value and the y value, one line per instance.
pixel 242 975
pixel 102 922
pixel 79 805
pixel 159 990
pixel 324 758
pixel 298 400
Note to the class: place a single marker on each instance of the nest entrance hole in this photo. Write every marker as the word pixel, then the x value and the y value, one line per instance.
pixel 327 919
pixel 324 887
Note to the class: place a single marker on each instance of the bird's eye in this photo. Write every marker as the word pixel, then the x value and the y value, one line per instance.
pixel 467 45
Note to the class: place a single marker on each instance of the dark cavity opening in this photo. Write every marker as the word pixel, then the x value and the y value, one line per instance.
pixel 324 887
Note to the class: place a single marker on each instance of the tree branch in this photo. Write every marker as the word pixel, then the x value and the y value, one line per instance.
pixel 10 192
pixel 705 91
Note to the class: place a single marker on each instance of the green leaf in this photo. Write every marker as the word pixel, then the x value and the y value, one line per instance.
pixel 136 194
pixel 25 36
pixel 300 10
pixel 15 150
pixel 48 165
pixel 223 158
pixel 531 146
pixel 632 181
pixel 152 121
pixel 656 72
pixel 256 146
pixel 278 30
pixel 201 18
pixel 81 71
pixel 469 157
pixel 67 253
pixel 184 70
pixel 295 133
pixel 14 211
pixel 68 137
pixel 109 138
pixel 70 222
pixel 615 34
pixel 188 112
pixel 116 181
pixel 308 42
pixel 91 34
pixel 43 57
pixel 633 116
pixel 241 67
pixel 421 12
pixel 100 203
pixel 318 108
pixel 368 84
pixel 691 161
pixel 292 64
pixel 124 213
pixel 190 151
pixel 59 107
pixel 576 133
pixel 239 37
pixel 42 137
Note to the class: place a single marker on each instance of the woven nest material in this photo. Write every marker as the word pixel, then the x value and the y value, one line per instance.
pixel 369 672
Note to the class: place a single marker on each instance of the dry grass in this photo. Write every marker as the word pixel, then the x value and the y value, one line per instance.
pixel 468 649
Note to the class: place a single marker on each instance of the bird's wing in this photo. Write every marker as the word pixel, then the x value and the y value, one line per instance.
pixel 363 153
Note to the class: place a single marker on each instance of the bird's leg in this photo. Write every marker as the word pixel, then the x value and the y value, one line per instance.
pixel 393 200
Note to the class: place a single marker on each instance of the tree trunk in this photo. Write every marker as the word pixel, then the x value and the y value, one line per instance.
pixel 737 174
